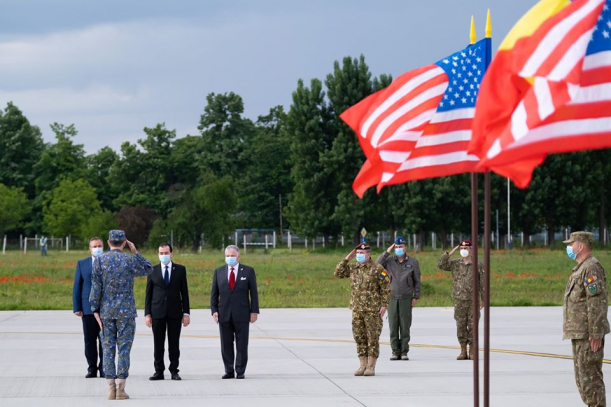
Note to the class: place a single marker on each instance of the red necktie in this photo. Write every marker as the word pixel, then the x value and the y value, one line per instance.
pixel 231 279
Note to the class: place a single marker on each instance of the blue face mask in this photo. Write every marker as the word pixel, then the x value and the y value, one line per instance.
pixel 231 261
pixel 164 258
pixel 360 257
pixel 569 252
pixel 400 252
pixel 96 251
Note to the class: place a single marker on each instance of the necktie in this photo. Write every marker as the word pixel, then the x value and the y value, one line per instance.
pixel 231 279
pixel 166 276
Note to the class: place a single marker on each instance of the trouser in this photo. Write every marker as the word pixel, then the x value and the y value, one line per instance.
pixel 118 335
pixel 400 322
pixel 589 372
pixel 238 331
pixel 93 344
pixel 463 314
pixel 43 250
pixel 366 329
pixel 173 327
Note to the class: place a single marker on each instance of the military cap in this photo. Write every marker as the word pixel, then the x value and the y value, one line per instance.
pixel 362 246
pixel 399 240
pixel 466 243
pixel 582 237
pixel 116 235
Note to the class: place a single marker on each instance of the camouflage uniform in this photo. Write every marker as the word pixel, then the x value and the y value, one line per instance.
pixel 462 274
pixel 585 307
pixel 370 291
pixel 112 295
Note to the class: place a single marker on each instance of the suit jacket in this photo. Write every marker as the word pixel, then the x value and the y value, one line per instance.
pixel 171 301
pixel 239 303
pixel 82 286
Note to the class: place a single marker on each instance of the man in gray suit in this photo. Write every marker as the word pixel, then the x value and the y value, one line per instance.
pixel 82 308
pixel 234 303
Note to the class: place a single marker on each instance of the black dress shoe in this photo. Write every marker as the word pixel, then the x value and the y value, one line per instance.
pixel 157 376
pixel 90 375
pixel 175 376
pixel 228 376
pixel 240 376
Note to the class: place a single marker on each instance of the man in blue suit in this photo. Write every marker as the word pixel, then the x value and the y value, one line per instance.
pixel 82 308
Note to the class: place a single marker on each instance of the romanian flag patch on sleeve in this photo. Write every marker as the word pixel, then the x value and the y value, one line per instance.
pixel 383 274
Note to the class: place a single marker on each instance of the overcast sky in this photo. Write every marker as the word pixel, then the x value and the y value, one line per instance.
pixel 113 67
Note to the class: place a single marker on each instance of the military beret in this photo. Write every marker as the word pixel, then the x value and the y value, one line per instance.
pixel 116 235
pixel 362 246
pixel 466 243
pixel 582 237
pixel 399 240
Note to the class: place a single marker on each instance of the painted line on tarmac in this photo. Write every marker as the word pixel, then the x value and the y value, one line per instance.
pixel 324 340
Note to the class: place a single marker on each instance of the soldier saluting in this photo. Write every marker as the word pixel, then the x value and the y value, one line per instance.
pixel 370 295
pixel 114 307
pixel 462 276
pixel 586 301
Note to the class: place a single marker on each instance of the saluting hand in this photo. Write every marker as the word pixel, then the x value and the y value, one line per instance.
pixel 389 250
pixel 351 255
pixel 454 250
pixel 132 247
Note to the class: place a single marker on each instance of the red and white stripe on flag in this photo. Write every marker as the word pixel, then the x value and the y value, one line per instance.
pixel 568 106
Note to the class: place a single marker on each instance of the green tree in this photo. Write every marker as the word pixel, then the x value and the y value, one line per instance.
pixel 144 176
pixel 69 208
pixel 98 224
pixel 13 208
pixel 137 222
pixel 225 135
pixel 98 172
pixel 21 145
pixel 310 206
pixel 204 210
pixel 267 176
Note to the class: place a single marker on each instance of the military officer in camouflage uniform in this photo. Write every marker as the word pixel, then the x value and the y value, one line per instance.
pixel 370 295
pixel 462 275
pixel 404 294
pixel 586 301
pixel 114 307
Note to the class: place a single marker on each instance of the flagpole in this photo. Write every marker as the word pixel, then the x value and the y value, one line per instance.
pixel 475 268
pixel 487 188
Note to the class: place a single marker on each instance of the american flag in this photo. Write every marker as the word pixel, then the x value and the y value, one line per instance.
pixel 420 126
pixel 568 106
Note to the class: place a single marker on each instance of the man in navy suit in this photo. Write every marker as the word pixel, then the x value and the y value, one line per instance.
pixel 82 308
pixel 234 303
pixel 166 306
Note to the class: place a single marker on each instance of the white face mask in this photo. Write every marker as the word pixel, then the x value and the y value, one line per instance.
pixel 96 251
pixel 464 252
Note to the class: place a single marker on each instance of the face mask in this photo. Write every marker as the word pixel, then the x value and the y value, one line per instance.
pixel 400 252
pixel 464 252
pixel 360 257
pixel 96 251
pixel 231 261
pixel 569 252
pixel 164 258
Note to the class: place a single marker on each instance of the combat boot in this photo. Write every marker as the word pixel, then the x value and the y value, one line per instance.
pixel 121 394
pixel 463 352
pixel 471 351
pixel 362 367
pixel 371 367
pixel 112 389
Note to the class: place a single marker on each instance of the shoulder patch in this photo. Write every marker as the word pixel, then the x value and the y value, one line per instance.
pixel 589 281
pixel 593 289
pixel 383 275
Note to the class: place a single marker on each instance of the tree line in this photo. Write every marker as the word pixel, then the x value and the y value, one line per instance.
pixel 294 167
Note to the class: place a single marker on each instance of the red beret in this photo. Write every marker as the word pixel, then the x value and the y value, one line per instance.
pixel 466 243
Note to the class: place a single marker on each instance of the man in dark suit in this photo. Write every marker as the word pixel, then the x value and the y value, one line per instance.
pixel 82 308
pixel 166 306
pixel 234 304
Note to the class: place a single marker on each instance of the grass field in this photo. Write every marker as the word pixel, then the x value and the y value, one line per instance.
pixel 292 279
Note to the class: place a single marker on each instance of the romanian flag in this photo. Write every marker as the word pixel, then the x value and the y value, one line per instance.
pixel 383 274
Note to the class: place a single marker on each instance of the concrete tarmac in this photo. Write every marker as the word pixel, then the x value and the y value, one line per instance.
pixel 297 357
